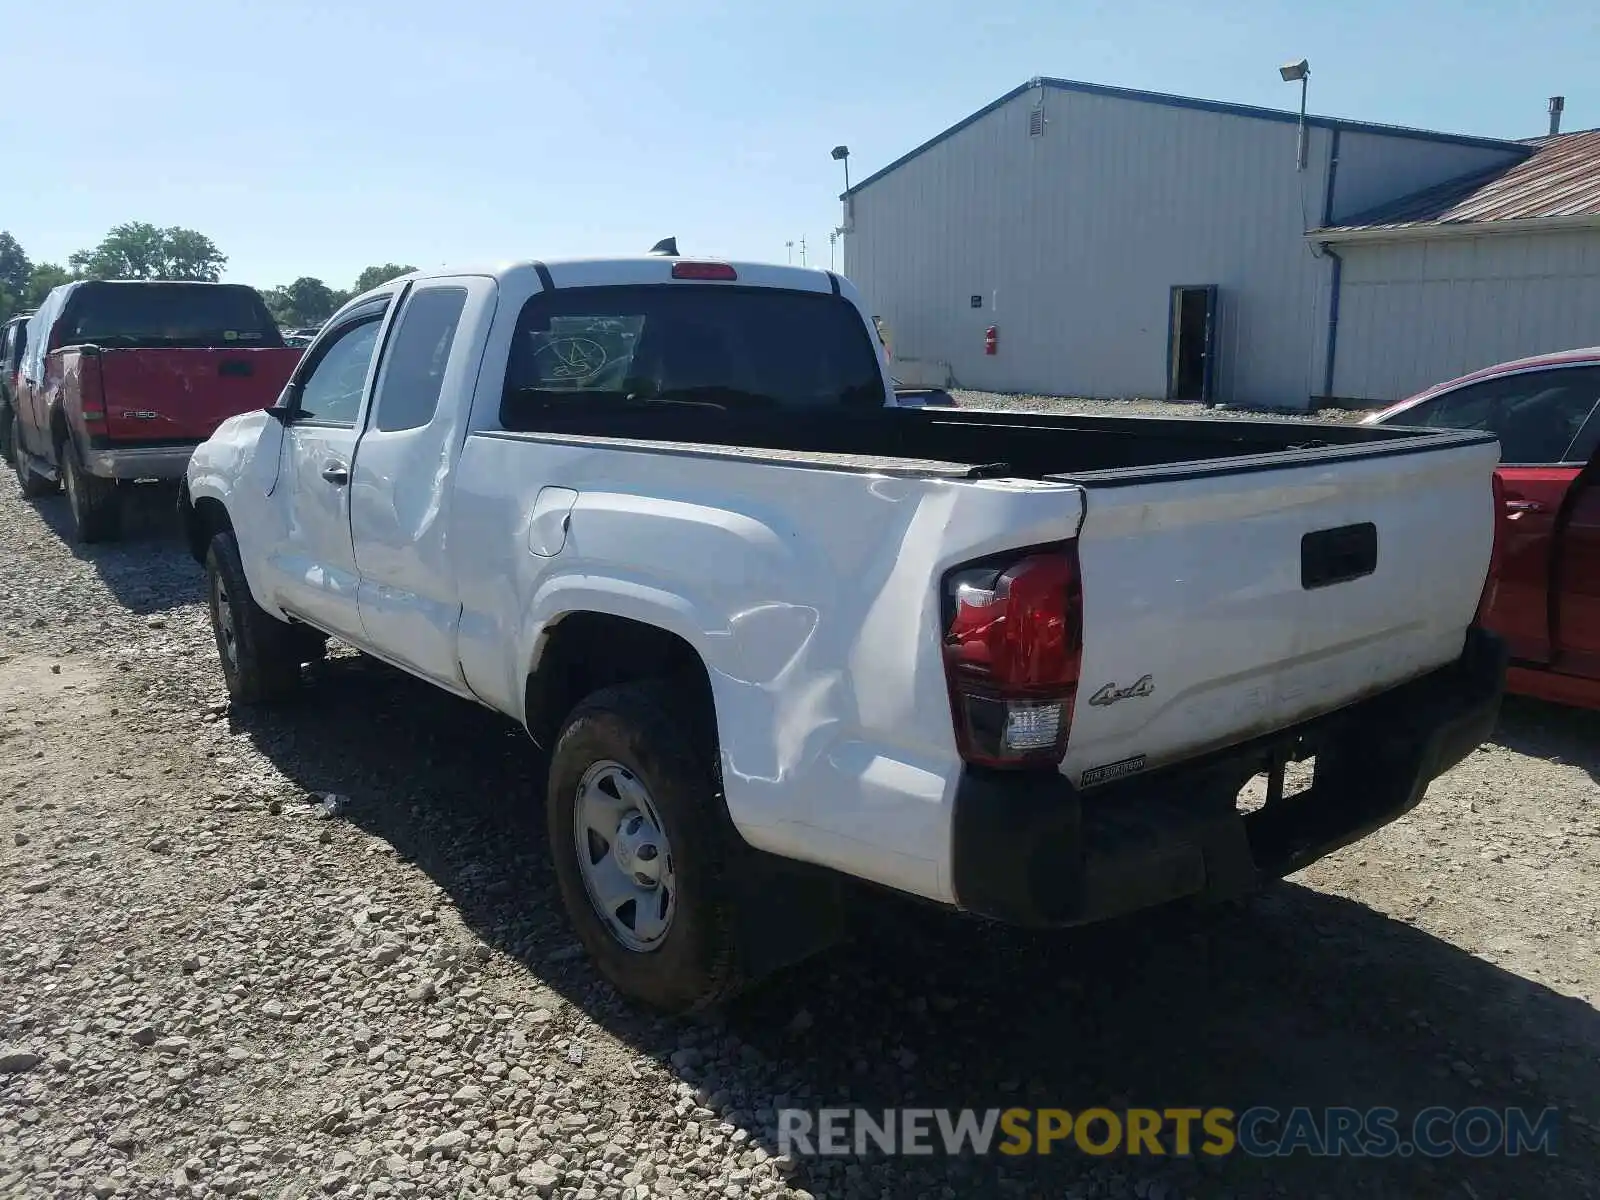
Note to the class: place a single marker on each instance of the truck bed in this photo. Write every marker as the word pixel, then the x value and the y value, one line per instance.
pixel 974 443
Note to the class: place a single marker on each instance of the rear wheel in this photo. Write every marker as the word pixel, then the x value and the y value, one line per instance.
pixel 5 431
pixel 95 503
pixel 641 846
pixel 31 484
pixel 260 654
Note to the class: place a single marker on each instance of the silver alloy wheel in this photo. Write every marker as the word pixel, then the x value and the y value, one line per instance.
pixel 227 633
pixel 624 856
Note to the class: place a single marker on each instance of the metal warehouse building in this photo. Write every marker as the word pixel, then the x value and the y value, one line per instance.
pixel 1125 243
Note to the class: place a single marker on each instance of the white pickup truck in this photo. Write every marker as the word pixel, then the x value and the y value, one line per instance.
pixel 778 635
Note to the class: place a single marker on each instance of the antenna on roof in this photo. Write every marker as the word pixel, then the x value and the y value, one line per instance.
pixel 667 246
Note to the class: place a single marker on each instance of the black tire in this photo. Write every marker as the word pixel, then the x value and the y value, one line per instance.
pixel 31 485
pixel 695 964
pixel 94 503
pixel 260 655
pixel 6 433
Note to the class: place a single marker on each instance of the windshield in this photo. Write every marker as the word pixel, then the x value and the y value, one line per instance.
pixel 711 346
pixel 168 314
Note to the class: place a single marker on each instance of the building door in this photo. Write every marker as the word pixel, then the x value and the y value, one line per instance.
pixel 1191 344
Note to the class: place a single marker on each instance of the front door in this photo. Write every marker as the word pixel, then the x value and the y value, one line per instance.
pixel 313 567
pixel 1191 344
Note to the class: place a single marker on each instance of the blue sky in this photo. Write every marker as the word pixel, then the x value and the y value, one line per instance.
pixel 318 136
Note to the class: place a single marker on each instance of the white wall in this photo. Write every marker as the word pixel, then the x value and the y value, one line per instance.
pixel 1415 313
pixel 1074 238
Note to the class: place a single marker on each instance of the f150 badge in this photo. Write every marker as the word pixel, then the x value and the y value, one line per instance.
pixel 1111 693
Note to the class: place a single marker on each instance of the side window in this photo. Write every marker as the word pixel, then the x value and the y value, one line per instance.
pixel 413 372
pixel 1537 415
pixel 331 394
pixel 1464 408
pixel 1588 438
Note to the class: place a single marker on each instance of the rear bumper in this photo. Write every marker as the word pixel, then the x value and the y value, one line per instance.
pixel 1036 851
pixel 168 460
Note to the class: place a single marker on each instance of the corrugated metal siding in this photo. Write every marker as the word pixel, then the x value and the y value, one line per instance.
pixel 1419 312
pixel 1074 239
pixel 1374 170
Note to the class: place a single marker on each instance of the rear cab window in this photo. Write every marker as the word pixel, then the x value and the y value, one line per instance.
pixel 711 347
pixel 191 315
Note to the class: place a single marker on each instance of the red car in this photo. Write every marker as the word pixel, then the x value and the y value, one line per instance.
pixel 1546 596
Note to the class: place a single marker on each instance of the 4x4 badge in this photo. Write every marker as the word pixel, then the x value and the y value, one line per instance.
pixel 1111 693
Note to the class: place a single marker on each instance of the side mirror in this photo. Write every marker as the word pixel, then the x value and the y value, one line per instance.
pixel 282 409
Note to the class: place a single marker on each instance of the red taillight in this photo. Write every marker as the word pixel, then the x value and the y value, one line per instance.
pixel 703 270
pixel 91 393
pixel 1013 647
pixel 1492 578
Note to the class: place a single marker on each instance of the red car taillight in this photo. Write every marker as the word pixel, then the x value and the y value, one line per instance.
pixel 1491 579
pixel 1013 648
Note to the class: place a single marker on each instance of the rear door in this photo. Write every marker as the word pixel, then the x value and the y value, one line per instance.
pixel 312 566
pixel 1543 420
pixel 402 486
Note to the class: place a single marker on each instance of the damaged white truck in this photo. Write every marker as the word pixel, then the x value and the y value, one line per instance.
pixel 779 635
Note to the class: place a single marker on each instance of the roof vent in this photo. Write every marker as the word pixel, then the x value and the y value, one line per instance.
pixel 1036 121
pixel 1557 105
pixel 666 246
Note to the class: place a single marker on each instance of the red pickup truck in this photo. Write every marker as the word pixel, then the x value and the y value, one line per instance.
pixel 122 380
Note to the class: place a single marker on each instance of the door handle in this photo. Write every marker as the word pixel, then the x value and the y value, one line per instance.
pixel 336 473
pixel 1522 506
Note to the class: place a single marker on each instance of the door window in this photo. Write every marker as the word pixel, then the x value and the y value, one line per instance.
pixel 331 394
pixel 413 373
pixel 1537 415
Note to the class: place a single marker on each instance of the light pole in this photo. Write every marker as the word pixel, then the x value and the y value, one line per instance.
pixel 841 154
pixel 833 239
pixel 1291 72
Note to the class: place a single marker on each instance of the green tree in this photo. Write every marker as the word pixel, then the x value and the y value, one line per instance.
pixel 44 277
pixel 306 301
pixel 373 276
pixel 14 271
pixel 139 250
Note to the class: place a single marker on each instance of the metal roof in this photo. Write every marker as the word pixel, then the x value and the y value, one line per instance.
pixel 1216 106
pixel 1560 179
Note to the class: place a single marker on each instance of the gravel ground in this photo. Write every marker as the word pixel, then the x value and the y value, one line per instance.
pixel 215 982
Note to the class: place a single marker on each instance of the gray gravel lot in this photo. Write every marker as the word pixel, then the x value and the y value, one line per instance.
pixel 211 986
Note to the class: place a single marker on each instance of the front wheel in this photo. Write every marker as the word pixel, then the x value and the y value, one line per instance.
pixel 640 849
pixel 260 654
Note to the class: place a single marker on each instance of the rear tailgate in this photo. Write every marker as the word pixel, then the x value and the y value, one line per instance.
pixel 1226 601
pixel 167 394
